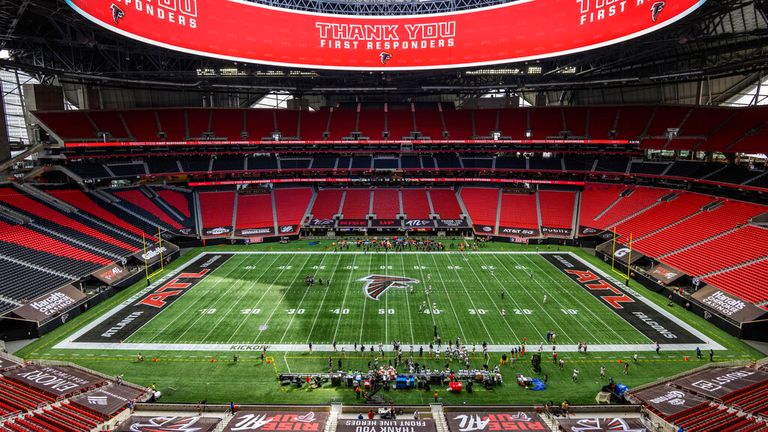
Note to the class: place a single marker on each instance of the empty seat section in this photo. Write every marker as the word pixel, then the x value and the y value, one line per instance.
pixel 595 199
pixel 31 239
pixel 429 122
pixel 227 123
pixel 138 199
pixel 703 120
pixel 197 121
pixel 699 227
pixel 736 127
pixel 287 122
pixel 68 125
pixel 662 215
pixel 254 211
pixel 556 208
pixel 481 203
pixel 343 121
pixel 666 117
pixel 485 122
pixel 513 123
pixel 747 282
pixel 357 204
pixel 545 122
pixel 228 163
pixel 79 199
pixel 261 163
pixel 142 124
pixel 162 165
pixel 415 203
pixel 327 203
pixel 386 203
pixel 601 122
pixel 291 205
pixel 399 121
pixel 632 122
pixel 517 211
pixel 445 203
pixel 737 247
pixel 371 121
pixel 639 199
pixel 172 123
pixel 314 124
pixel 37 209
pixel 109 121
pixel 259 123
pixel 192 164
pixel 458 123
pixel 216 209
pixel 178 200
pixel 575 121
pixel 23 283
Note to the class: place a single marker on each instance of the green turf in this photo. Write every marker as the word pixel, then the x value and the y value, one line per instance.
pixel 192 376
pixel 250 291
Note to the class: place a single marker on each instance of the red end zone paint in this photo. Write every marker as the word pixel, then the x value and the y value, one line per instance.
pixel 521 30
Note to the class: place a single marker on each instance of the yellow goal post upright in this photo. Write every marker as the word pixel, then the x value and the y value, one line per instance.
pixel 628 254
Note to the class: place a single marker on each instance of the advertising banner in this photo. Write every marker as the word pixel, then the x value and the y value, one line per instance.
pixel 322 223
pixel 51 304
pixel 111 274
pixel 353 223
pixel 285 230
pixel 610 424
pixel 664 274
pixel 55 380
pixel 380 425
pixel 483 229
pixel 108 400
pixel 621 252
pixel 168 424
pixel 255 232
pixel 466 38
pixel 556 232
pixel 718 382
pixel 385 223
pixel 495 421
pixel 6 363
pixel 452 223
pixel 306 421
pixel 155 251
pixel 217 231
pixel 518 232
pixel 668 400
pixel 588 231
pixel 419 223
pixel 728 305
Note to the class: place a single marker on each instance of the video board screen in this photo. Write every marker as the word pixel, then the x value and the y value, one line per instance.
pixel 240 30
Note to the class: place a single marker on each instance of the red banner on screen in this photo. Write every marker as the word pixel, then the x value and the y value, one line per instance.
pixel 410 180
pixel 245 31
pixel 219 143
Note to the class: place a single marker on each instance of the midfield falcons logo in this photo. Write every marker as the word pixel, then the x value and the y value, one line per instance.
pixel 656 9
pixel 117 13
pixel 167 424
pixel 384 57
pixel 376 285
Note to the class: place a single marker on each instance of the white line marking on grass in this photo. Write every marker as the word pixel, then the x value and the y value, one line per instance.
pixel 408 304
pixel 589 310
pixel 243 292
pixel 365 302
pixel 346 290
pixel 306 291
pixel 429 303
pixel 193 304
pixel 279 302
pixel 258 302
pixel 320 308
pixel 469 296
pixel 450 302
pixel 541 305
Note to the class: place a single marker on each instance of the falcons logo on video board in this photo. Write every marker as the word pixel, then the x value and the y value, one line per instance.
pixel 656 9
pixel 117 13
pixel 376 285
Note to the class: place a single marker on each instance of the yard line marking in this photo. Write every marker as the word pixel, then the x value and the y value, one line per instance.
pixel 365 301
pixel 306 291
pixel 523 289
pixel 243 292
pixel 194 302
pixel 429 303
pixel 504 319
pixel 482 321
pixel 408 304
pixel 589 310
pixel 450 302
pixel 263 294
pixel 320 308
pixel 279 302
pixel 346 290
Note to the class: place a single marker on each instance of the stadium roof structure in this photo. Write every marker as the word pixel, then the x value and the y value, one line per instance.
pixel 707 58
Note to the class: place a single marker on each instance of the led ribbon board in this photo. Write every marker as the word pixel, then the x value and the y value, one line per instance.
pixel 521 30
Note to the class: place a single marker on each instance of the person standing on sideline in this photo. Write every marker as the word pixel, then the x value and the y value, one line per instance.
pixel 711 355
pixel 698 353
pixel 658 347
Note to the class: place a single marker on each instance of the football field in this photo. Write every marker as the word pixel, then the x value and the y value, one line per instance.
pixel 248 300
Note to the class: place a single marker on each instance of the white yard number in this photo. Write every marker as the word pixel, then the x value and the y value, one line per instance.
pixel 521 267
pixel 432 311
pixel 522 311
pixel 207 311
pixel 295 311
pixel 570 311
pixel 486 267
pixel 386 311
pixel 351 267
pixel 250 311
pixel 318 267
pixel 419 267
pixel 454 267
pixel 250 267
pixel 285 267
pixel 341 311
pixel 477 311
pixel 385 267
